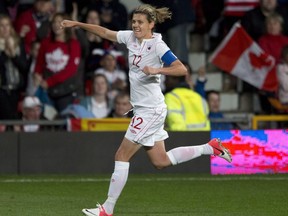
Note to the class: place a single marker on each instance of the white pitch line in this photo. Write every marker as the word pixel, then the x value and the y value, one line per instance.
pixel 164 179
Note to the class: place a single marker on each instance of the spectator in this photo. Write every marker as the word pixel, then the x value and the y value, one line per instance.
pixel 282 74
pixel 198 85
pixel 12 68
pixel 57 64
pixel 117 79
pixel 34 110
pixel 93 46
pixel 254 20
pixel 31 111
pixel 33 24
pixel 122 106
pixel 99 103
pixel 213 99
pixel 31 87
pixel 279 101
pixel 187 110
pixel 273 41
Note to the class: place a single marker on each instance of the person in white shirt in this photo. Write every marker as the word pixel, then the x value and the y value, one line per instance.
pixel 147 53
pixel 282 75
pixel 99 103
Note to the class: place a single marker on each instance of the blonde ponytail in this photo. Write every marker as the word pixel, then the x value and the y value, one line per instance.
pixel 158 15
pixel 162 14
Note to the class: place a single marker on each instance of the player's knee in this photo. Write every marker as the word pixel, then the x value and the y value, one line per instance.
pixel 159 165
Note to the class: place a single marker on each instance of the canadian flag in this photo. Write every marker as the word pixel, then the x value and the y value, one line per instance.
pixel 239 55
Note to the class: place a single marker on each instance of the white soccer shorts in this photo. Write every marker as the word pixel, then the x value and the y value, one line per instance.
pixel 147 125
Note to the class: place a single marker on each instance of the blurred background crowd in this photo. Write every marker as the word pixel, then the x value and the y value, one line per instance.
pixel 49 73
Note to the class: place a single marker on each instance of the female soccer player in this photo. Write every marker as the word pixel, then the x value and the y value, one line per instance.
pixel 147 52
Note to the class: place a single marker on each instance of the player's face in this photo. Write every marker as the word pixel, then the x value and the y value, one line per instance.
pixel 141 27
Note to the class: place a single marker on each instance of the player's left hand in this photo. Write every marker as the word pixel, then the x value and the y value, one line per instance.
pixel 150 70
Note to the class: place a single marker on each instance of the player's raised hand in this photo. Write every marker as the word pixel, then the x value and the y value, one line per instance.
pixel 68 24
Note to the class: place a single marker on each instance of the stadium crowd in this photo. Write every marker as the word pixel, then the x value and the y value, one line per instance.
pixel 75 70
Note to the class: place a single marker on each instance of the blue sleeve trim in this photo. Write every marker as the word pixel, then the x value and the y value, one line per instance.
pixel 168 58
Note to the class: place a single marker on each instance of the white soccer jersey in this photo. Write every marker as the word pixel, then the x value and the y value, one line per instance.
pixel 145 90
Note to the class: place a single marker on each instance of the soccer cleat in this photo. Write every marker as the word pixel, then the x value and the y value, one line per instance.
pixel 99 211
pixel 219 150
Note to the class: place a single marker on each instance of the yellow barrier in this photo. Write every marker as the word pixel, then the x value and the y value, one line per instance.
pixel 257 118
pixel 104 124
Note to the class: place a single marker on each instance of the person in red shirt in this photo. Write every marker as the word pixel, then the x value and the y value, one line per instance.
pixel 33 24
pixel 274 40
pixel 57 62
pixel 272 43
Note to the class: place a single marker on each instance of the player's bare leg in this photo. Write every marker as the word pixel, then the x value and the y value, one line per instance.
pixel 118 180
pixel 158 155
pixel 161 159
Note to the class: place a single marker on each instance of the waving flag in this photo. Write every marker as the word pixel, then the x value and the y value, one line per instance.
pixel 242 57
pixel 239 7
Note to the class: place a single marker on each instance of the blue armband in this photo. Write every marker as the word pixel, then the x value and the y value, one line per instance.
pixel 168 58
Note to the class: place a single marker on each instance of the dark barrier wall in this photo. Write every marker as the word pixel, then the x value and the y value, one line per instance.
pixel 9 153
pixel 86 153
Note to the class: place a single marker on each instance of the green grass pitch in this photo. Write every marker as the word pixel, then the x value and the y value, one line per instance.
pixel 149 195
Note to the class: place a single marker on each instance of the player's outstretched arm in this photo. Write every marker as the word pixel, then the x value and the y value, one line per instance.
pixel 96 29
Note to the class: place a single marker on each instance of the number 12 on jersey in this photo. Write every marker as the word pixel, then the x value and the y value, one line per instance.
pixel 136 60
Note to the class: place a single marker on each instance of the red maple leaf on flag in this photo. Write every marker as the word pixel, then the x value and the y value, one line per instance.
pixel 263 60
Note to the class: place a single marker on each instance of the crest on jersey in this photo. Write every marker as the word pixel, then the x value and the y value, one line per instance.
pixel 148 48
